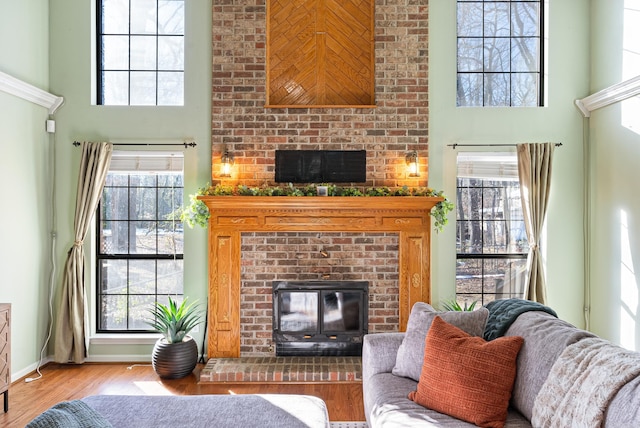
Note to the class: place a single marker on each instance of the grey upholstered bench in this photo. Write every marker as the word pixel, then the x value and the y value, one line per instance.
pixel 268 410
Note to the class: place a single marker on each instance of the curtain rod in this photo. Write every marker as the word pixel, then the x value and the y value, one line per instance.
pixel 185 144
pixel 454 145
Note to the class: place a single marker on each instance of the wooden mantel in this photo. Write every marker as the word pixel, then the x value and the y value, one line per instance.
pixel 233 215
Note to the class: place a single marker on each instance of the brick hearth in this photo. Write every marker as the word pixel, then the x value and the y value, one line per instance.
pixel 282 369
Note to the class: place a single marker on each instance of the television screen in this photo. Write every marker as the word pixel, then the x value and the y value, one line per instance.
pixel 321 166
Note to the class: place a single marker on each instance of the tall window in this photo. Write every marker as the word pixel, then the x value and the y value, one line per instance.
pixel 500 53
pixel 140 52
pixel 140 239
pixel 491 238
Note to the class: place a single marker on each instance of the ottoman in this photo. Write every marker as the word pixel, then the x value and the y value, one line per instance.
pixel 250 410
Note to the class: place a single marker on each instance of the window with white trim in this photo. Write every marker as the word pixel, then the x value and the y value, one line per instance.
pixel 500 53
pixel 140 240
pixel 491 240
pixel 140 55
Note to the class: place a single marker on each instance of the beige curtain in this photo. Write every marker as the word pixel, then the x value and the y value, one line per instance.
pixel 534 171
pixel 72 327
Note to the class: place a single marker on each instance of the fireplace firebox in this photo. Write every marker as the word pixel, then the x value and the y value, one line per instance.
pixel 319 318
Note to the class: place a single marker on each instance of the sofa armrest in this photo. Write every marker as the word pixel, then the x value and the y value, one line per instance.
pixel 379 353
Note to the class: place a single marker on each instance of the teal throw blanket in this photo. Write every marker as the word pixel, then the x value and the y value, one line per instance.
pixel 502 313
pixel 70 414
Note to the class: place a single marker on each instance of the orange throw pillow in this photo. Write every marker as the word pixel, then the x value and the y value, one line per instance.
pixel 467 377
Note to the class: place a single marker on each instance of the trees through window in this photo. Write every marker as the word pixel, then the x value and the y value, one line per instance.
pixel 140 52
pixel 139 240
pixel 500 53
pixel 491 241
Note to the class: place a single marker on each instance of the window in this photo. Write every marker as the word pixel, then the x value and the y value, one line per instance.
pixel 140 52
pixel 491 241
pixel 140 239
pixel 500 53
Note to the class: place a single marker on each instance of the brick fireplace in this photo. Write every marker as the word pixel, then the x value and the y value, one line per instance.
pixel 314 256
pixel 386 243
pixel 398 229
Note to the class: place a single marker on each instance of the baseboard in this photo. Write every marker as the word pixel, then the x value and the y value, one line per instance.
pixel 96 358
pixel 15 376
pixel 128 358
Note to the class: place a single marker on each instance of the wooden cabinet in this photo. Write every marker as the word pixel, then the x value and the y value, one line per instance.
pixel 5 352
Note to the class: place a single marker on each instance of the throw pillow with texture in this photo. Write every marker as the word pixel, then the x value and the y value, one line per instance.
pixel 411 352
pixel 467 377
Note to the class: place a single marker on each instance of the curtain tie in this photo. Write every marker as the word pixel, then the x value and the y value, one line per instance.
pixel 78 243
pixel 533 247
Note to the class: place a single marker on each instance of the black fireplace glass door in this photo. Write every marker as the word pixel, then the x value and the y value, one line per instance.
pixel 298 311
pixel 341 310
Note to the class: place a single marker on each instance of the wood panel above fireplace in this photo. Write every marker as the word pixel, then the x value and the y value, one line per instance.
pixel 233 215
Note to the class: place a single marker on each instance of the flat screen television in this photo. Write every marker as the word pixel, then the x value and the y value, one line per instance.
pixel 321 166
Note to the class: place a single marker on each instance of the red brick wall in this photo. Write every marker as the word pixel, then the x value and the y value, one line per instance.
pixel 267 257
pixel 252 133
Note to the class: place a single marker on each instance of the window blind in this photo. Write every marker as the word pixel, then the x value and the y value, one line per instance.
pixel 488 165
pixel 146 161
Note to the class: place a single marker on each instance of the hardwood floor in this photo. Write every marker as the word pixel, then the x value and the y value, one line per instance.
pixel 68 382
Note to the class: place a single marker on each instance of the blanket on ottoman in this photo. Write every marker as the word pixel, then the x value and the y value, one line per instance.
pixel 69 414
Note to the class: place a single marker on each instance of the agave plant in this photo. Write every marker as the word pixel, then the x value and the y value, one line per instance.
pixel 453 305
pixel 175 321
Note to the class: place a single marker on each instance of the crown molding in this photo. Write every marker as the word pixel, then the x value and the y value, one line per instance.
pixel 613 94
pixel 28 92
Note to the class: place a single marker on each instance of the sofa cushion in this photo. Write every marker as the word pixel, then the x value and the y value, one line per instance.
pixel 411 353
pixel 467 377
pixel 387 406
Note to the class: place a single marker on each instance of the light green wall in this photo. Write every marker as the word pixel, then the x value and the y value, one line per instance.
pixel 615 148
pixel 71 72
pixel 26 152
pixel 25 155
pixel 560 121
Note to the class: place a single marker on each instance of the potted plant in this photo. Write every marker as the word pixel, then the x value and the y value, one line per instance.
pixel 453 305
pixel 175 355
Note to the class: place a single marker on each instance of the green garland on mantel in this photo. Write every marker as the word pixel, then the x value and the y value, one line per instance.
pixel 197 213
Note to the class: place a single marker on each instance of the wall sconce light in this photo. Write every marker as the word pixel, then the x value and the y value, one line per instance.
pixel 227 163
pixel 412 164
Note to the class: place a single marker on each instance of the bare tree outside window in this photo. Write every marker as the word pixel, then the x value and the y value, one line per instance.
pixel 140 52
pixel 491 240
pixel 499 53
pixel 139 247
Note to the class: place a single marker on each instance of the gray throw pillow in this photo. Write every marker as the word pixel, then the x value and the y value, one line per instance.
pixel 411 352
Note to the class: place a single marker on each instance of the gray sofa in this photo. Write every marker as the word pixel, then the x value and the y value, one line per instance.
pixel 545 340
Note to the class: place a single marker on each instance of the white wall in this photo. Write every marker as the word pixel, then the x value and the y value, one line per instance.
pixel 615 148
pixel 560 122
pixel 26 152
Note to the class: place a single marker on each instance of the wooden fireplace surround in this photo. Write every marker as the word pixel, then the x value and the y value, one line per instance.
pixel 232 215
